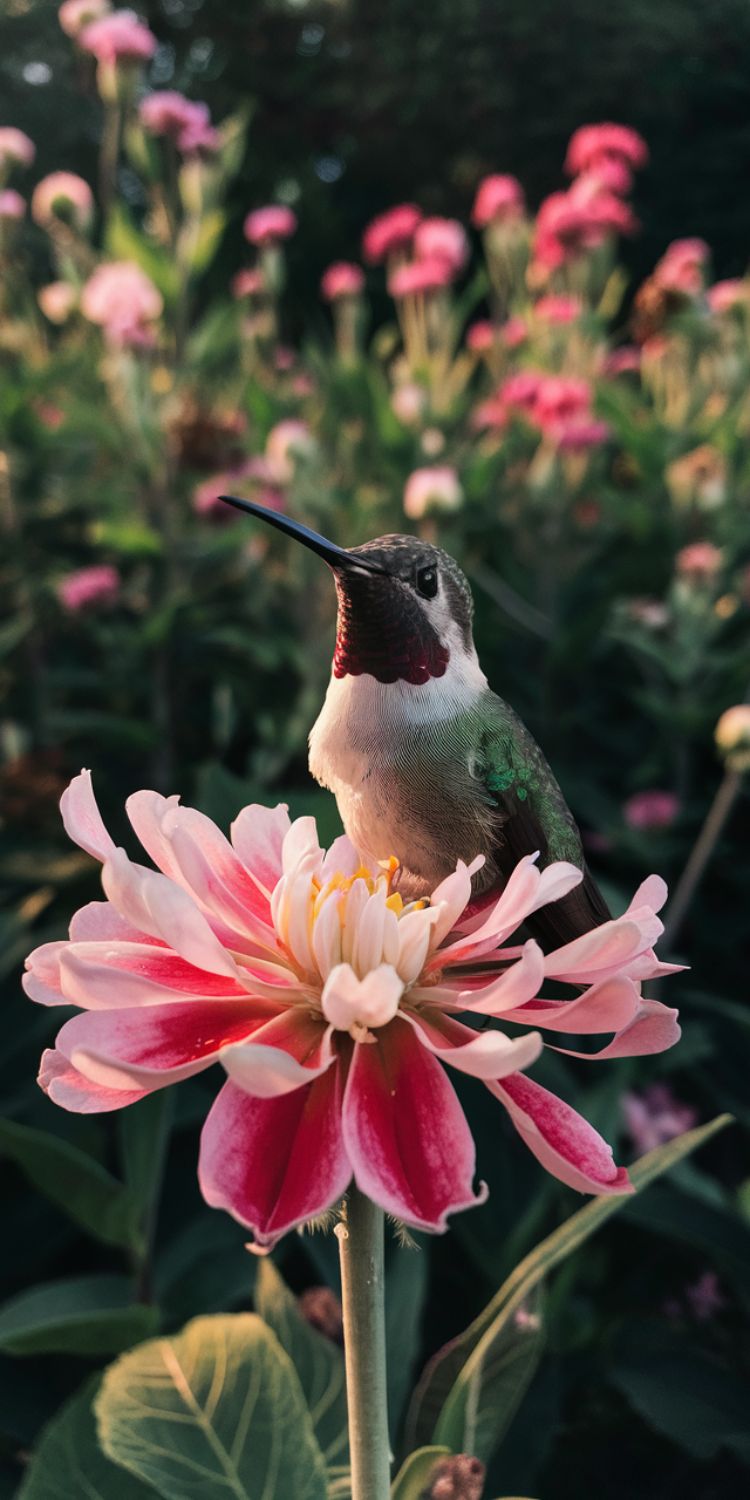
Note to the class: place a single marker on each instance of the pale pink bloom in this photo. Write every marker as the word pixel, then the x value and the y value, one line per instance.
pixel 187 122
pixel 482 336
pixel 332 1007
pixel 118 37
pixel 490 414
pixel 725 295
pixel 499 199
pixel 434 489
pixel 578 434
pixel 626 360
pixel 74 15
pixel 99 584
pixel 12 205
pixel 558 309
pixel 682 267
pixel 700 562
pixel 287 443
pixel 408 402
pixel 390 232
pixel 459 1477
pixel 284 358
pixel 16 149
pixel 50 416
pixel 265 226
pixel 652 613
pixel 342 279
pixel 514 332
pixel 249 282
pixel 655 1116
pixel 442 239
pixel 57 300
pixel 206 495
pixel 591 144
pixel 651 809
pixel 122 299
pixel 62 195
pixel 419 276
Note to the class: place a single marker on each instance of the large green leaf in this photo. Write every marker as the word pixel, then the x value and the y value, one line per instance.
pixel 481 1406
pixel 81 1315
pixel 68 1461
pixel 450 1403
pixel 695 1401
pixel 214 1412
pixel 318 1362
pixel 77 1184
pixel 405 1290
pixel 411 1481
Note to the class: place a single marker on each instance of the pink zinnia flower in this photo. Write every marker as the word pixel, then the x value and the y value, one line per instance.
pixel 655 1116
pixel 122 299
pixel 342 279
pixel 62 195
pixel 419 276
pixel 724 295
pixel 331 1006
pixel 570 224
pixel 651 809
pixel 682 267
pixel 118 37
pixel 591 144
pixel 187 122
pixel 699 563
pixel 99 584
pixel 74 15
pixel 264 226
pixel 499 199
pixel 16 148
pixel 389 232
pixel 57 300
pixel 12 205
pixel 434 489
pixel 558 309
pixel 442 239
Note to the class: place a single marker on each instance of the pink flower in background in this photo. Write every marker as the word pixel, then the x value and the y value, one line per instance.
pixel 499 200
pixel 122 299
pixel 62 195
pixel 99 584
pixel 74 15
pixel 206 495
pixel 558 309
pixel 514 332
pixel 408 402
pixel 286 444
pixel 572 223
pixel 390 232
pixel 578 434
pixel 265 226
pixel 342 279
pixel 332 1007
pixel 184 121
pixel 651 809
pixel 442 239
pixel 57 300
pixel 724 295
pixel 623 361
pixel 16 149
pixel 655 1116
pixel 520 392
pixel 118 37
pixel 433 489
pixel 682 267
pixel 12 205
pixel 419 276
pixel 561 398
pixel 249 282
pixel 699 563
pixel 482 336
pixel 592 144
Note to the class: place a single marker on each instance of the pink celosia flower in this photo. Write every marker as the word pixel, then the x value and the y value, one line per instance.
pixel 651 809
pixel 682 267
pixel 558 309
pixel 390 232
pixel 591 144
pixel 57 300
pixel 342 279
pixel 122 299
pixel 249 282
pixel 99 584
pixel 16 149
pixel 264 226
pixel 118 37
pixel 74 15
pixel 482 336
pixel 725 295
pixel 434 489
pixel 62 195
pixel 419 276
pixel 187 122
pixel 332 1007
pixel 442 239
pixel 12 205
pixel 699 563
pixel 655 1116
pixel 499 199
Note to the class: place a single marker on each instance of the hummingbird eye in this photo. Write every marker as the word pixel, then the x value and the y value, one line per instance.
pixel 427 582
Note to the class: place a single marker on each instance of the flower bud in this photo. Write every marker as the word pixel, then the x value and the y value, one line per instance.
pixel 321 1308
pixel 457 1478
pixel 732 736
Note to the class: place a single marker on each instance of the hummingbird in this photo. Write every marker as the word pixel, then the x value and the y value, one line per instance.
pixel 425 761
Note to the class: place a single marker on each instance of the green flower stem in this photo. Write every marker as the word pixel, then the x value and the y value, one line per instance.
pixel 703 850
pixel 362 1251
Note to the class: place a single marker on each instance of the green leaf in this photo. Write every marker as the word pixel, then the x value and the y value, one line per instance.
pixel 201 248
pixel 215 1411
pixel 494 1381
pixel 318 1362
pixel 77 1184
pixel 447 1398
pixel 698 1403
pixel 82 1315
pixel 125 242
pixel 413 1477
pixel 69 1462
pixel 405 1290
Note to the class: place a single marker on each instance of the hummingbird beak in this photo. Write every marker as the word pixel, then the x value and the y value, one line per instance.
pixel 337 557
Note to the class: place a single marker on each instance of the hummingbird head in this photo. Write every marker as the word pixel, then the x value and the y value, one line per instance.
pixel 404 606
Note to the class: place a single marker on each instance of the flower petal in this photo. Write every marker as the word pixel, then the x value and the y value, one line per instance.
pixel 154 904
pixel 301 846
pixel 100 921
pixel 82 820
pixel 509 910
pixel 560 1138
pixel 451 896
pixel 482 1054
pixel 258 835
pixel 652 892
pixel 405 1132
pixel 602 951
pixel 67 1087
pixel 516 985
pixel 274 1163
pixel 350 1001
pixel 42 978
pixel 112 976
pixel 607 1006
pixel 653 1028
pixel 286 1053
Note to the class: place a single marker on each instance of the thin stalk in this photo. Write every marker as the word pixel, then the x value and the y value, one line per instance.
pixel 362 1253
pixel 702 851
